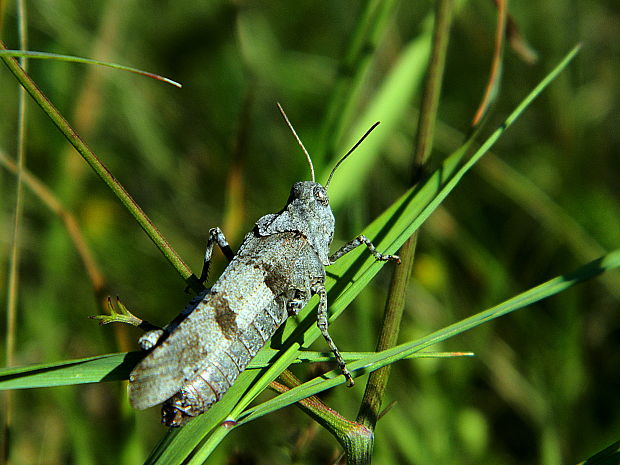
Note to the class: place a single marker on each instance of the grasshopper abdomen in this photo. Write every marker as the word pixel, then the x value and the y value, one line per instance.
pixel 223 368
pixel 201 358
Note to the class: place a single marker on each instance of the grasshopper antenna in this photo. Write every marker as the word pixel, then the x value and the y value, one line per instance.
pixel 349 153
pixel 298 140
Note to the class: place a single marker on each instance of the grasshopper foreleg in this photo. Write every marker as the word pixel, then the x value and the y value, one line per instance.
pixel 215 236
pixel 322 322
pixel 359 240
pixel 155 334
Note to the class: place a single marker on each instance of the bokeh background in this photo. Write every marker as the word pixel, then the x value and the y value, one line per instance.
pixel 543 387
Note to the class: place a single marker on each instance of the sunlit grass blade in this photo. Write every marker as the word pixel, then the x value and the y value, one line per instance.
pixel 102 171
pixel 309 356
pixel 110 367
pixel 399 221
pixel 348 277
pixel 87 61
pixel 116 367
pixel 389 105
pixel 348 90
pixel 378 360
pixel 608 456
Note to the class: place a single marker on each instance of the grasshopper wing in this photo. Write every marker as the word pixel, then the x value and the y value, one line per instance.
pixel 175 361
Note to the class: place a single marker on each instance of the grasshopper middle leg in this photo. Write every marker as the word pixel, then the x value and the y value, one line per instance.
pixel 322 322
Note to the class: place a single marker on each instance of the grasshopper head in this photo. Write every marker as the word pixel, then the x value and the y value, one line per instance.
pixel 306 212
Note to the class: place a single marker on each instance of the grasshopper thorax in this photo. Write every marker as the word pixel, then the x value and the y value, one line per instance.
pixel 306 212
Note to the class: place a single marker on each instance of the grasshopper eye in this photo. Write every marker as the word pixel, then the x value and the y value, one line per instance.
pixel 320 194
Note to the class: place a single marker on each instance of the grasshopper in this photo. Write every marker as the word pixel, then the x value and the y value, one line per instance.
pixel 280 265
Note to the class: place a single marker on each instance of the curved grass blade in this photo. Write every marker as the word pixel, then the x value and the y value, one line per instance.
pixel 109 367
pixel 381 359
pixel 102 171
pixel 608 456
pixel 116 367
pixel 348 277
pixel 389 105
pixel 88 61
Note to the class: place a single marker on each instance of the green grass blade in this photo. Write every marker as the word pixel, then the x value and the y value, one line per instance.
pixel 102 171
pixel 348 90
pixel 116 367
pixel 389 105
pixel 309 356
pixel 351 274
pixel 110 367
pixel 381 359
pixel 407 214
pixel 608 456
pixel 88 61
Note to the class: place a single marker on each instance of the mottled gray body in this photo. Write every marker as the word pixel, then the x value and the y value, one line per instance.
pixel 271 277
pixel 279 266
pixel 203 356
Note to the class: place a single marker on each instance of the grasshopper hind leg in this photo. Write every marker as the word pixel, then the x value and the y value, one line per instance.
pixel 174 414
pixel 150 339
pixel 182 407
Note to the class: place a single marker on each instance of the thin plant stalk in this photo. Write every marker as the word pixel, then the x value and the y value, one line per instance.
pixel 347 432
pixel 377 382
pixel 346 95
pixel 13 284
pixel 102 171
pixel 492 87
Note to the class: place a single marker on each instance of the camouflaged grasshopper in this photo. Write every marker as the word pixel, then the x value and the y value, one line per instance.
pixel 280 265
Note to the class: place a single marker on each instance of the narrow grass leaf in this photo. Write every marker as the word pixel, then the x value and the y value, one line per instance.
pixel 116 367
pixel 608 456
pixel 381 359
pixel 110 367
pixel 88 61
pixel 349 89
pixel 389 105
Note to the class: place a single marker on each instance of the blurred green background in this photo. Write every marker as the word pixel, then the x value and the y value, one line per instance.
pixel 543 387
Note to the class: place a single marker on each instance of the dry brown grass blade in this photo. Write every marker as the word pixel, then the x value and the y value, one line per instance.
pixel 496 64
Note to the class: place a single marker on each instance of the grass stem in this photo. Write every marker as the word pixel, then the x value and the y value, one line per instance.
pixel 102 171
pixel 377 382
